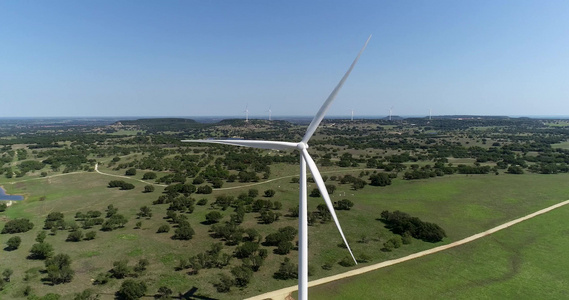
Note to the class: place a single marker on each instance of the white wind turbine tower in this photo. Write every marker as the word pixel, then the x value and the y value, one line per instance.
pixel 352 114
pixel 305 159
pixel 430 113
pixel 390 112
pixel 246 111
pixel 270 111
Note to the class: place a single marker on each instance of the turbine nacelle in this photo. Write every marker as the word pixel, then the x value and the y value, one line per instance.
pixel 301 146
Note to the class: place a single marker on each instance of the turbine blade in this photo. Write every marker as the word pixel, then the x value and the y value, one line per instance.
pixel 322 187
pixel 322 112
pixel 275 145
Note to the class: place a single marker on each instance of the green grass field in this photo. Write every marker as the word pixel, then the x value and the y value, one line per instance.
pixel 462 205
pixel 526 261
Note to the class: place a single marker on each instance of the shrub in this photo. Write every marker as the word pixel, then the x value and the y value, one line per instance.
pixel 224 284
pixel 347 261
pixel 149 176
pixel 184 231
pixel 131 289
pixel 59 269
pixel 130 172
pixel 41 251
pixel 204 189
pixel 90 235
pixel 75 236
pixel 253 193
pixel 287 270
pixel 242 275
pixel 202 202
pixel 163 228
pixel 400 222
pixel 344 204
pixel 270 193
pixel 148 188
pixel 13 243
pixel 380 179
pixel 120 269
pixel 213 217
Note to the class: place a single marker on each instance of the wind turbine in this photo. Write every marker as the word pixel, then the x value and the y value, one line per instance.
pixel 430 113
pixel 246 111
pixel 352 114
pixel 270 111
pixel 390 111
pixel 305 159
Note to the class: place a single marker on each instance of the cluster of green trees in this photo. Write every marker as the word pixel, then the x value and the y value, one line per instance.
pixel 17 226
pixel 402 223
pixel 123 185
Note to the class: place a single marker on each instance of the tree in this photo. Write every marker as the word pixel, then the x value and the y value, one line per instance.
pixel 3 206
pixel 148 188
pixel 347 261
pixel 344 204
pixel 253 193
pixel 515 170
pixel 269 193
pixel 204 189
pixel 130 172
pixel 75 236
pixel 184 231
pixel 380 179
pixel 246 249
pixel 287 270
pixel 41 251
pixel 59 269
pixel 163 228
pixel 242 275
pixel 145 211
pixel 358 184
pixel 13 243
pixel 330 188
pixel 120 269
pixel 141 265
pixel 131 289
pixel 284 247
pixel 315 193
pixel 90 235
pixel 163 293
pixel 213 217
pixel 86 295
pixel 224 284
pixel 17 226
pixel 149 176
pixel 7 273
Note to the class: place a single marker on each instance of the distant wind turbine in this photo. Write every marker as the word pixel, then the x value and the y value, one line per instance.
pixel 305 159
pixel 352 114
pixel 430 113
pixel 270 111
pixel 246 111
pixel 390 112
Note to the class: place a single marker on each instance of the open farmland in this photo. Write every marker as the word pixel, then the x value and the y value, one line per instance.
pixel 463 179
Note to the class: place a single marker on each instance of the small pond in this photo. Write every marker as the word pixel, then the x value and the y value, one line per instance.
pixel 3 196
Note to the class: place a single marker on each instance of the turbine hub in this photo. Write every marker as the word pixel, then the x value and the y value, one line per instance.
pixel 301 146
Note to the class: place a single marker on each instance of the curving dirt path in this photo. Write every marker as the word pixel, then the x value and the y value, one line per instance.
pixel 127 177
pixel 283 294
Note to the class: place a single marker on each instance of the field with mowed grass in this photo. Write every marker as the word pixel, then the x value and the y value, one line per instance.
pixel 525 261
pixel 462 205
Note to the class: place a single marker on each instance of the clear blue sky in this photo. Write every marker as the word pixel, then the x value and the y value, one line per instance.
pixel 204 58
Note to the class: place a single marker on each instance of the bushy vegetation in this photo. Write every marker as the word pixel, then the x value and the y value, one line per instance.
pixel 401 223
